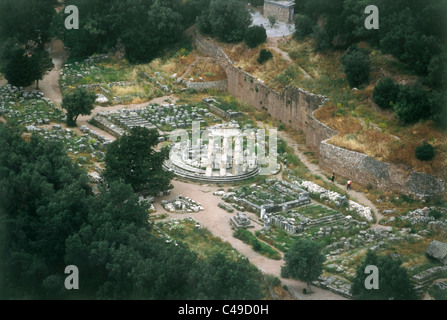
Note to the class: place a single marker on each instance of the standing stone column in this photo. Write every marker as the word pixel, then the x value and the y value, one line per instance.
pixel 209 163
pixel 223 161
pixel 238 156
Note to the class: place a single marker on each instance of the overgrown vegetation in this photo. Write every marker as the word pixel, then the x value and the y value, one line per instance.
pixel 258 246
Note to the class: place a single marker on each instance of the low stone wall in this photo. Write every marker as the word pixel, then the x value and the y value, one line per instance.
pixel 366 170
pixel 422 280
pixel 218 85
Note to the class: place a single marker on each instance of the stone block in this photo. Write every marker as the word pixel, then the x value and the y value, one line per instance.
pixel 438 251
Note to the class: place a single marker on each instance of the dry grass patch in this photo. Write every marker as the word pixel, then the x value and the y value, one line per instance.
pixel 207 69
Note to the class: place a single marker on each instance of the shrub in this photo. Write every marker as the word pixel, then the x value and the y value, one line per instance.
pixel 413 104
pixel 436 214
pixel 303 26
pixel 385 93
pixel 272 20
pixel 255 35
pixel 322 38
pixel 357 67
pixel 264 56
pixel 281 126
pixel 425 152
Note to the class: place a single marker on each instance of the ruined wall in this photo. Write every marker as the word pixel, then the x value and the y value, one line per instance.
pixel 218 85
pixel 281 11
pixel 295 108
pixel 365 170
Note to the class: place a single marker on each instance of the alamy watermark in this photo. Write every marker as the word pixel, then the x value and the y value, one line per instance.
pixel 72 21
pixel 372 21
pixel 72 281
pixel 372 281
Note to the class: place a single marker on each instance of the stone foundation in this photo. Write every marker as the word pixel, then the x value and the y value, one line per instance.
pixel 282 10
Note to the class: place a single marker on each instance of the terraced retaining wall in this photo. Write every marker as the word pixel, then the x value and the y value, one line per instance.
pixel 295 107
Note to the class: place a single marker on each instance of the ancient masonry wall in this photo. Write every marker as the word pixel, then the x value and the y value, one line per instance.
pixel 295 107
pixel 280 12
pixel 218 85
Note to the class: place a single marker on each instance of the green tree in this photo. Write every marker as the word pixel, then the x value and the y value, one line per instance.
pixel 145 28
pixel 41 63
pixel 357 67
pixel 194 9
pixel 394 282
pixel 18 67
pixel 78 103
pixel 226 279
pixel 27 20
pixel 229 19
pixel 150 33
pixel 304 261
pixel 255 35
pixel 385 93
pixel 413 104
pixel 43 199
pixel 133 159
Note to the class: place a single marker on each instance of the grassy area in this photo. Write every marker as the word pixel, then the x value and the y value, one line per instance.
pixel 314 211
pixel 258 246
pixel 277 238
pixel 198 239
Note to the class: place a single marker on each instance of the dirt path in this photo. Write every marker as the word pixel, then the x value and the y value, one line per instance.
pixel 217 221
pixel 49 85
pixel 273 44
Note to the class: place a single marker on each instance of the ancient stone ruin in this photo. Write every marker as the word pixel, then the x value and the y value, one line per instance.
pixel 241 221
pixel 282 10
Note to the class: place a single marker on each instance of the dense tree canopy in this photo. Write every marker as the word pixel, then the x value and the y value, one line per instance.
pixel 413 31
pixel 226 20
pixel 145 28
pixel 50 218
pixel 27 20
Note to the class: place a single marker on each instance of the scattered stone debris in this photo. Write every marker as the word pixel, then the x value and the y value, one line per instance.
pixel 181 204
